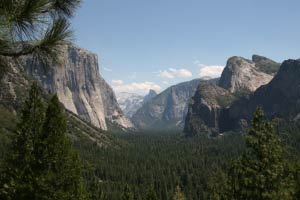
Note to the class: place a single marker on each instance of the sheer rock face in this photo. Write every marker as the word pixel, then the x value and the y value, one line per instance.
pixel 112 109
pixel 279 98
pixel 216 109
pixel 205 109
pixel 168 109
pixel 242 75
pixel 149 96
pixel 79 86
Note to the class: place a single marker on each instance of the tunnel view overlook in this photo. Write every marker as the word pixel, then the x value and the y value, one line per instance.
pixel 149 100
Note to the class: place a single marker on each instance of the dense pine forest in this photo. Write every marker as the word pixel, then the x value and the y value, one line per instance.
pixel 263 164
pixel 200 166
pixel 161 161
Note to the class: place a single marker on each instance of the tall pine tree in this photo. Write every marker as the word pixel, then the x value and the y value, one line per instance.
pixel 151 194
pixel 42 163
pixel 61 178
pixel 260 174
pixel 127 194
pixel 19 177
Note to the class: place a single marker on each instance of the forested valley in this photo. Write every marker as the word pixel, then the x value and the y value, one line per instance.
pixel 63 135
pixel 148 165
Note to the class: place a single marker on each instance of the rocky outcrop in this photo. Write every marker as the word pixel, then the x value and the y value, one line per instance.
pixel 265 65
pixel 168 109
pixel 217 109
pixel 112 109
pixel 205 109
pixel 13 85
pixel 79 86
pixel 243 76
pixel 279 98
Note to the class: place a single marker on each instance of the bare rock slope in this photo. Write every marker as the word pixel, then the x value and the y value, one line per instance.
pixel 242 75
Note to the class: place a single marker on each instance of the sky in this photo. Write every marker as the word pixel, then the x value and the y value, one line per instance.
pixel 153 44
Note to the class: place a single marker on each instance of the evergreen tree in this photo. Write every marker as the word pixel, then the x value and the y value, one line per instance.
pixel 127 194
pixel 95 191
pixel 19 177
pixel 42 164
pixel 151 194
pixel 61 178
pixel 260 173
pixel 34 26
pixel 178 195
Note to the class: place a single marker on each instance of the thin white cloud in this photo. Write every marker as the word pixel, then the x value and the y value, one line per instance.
pixel 166 74
pixel 142 87
pixel 212 71
pixel 175 73
pixel 184 73
pixel 165 82
pixel 117 82
pixel 107 69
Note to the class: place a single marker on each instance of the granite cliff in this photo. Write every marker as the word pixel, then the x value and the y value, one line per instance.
pixel 280 98
pixel 216 109
pixel 168 109
pixel 205 109
pixel 242 75
pixel 79 86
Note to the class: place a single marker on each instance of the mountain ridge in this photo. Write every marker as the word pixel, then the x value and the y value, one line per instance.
pixel 168 109
pixel 240 79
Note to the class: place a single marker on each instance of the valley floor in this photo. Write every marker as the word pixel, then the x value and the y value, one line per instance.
pixel 161 161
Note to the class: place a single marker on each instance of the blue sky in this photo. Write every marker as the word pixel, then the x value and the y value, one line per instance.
pixel 144 44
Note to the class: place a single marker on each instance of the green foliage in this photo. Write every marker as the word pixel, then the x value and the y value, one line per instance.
pixel 34 26
pixel 151 195
pixel 161 161
pixel 61 166
pixel 41 163
pixel 7 119
pixel 144 166
pixel 226 100
pixel 261 173
pixel 266 65
pixel 7 126
pixel 19 176
pixel 127 194
pixel 242 93
pixel 95 191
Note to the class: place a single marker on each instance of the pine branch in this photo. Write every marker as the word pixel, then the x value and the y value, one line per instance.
pixel 34 26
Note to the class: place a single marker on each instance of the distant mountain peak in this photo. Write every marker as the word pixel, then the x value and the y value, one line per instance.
pixel 129 102
pixel 151 91
pixel 149 96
